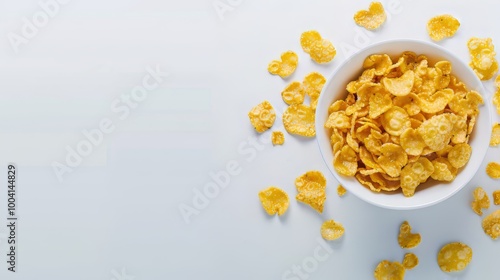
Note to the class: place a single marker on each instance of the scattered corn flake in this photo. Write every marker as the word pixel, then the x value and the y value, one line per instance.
pixel 495 135
pixel 491 224
pixel 262 116
pixel 278 138
pixel 454 256
pixel 459 155
pixel 284 67
pixel 496 96
pixel 341 191
pixel 308 39
pixel 496 197
pixel 274 200
pixel 483 61
pixel 493 170
pixel 410 261
pixel 293 93
pixel 331 230
pixel 442 26
pixel 481 201
pixel 387 270
pixel 406 239
pixel 322 51
pixel 372 18
pixel 311 187
pixel 313 84
pixel 299 119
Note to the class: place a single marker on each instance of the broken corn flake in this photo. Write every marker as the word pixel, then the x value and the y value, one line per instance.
pixel 278 138
pixel 372 18
pixel 495 135
pixel 407 239
pixel 491 224
pixel 341 191
pixel 274 200
pixel 454 256
pixel 480 201
pixel 285 66
pixel 442 26
pixel 483 61
pixel 299 119
pixel 496 197
pixel 262 116
pixel 410 261
pixel 389 270
pixel 331 230
pixel 311 188
pixel 493 170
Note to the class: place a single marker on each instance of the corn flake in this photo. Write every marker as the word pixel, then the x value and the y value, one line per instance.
pixel 262 116
pixel 406 239
pixel 372 18
pixel 293 93
pixel 436 131
pixel 311 187
pixel 278 138
pixel 393 158
pixel 400 86
pixel 496 197
pixel 481 201
pixel 493 170
pixel 331 230
pixel 483 61
pixel 412 142
pixel 299 119
pixel 495 135
pixel 415 173
pixel 322 51
pixel 454 256
pixel 410 261
pixel 443 170
pixel 386 270
pixel 346 161
pixel 341 191
pixel 274 200
pixel 491 224
pixel 308 39
pixel 442 26
pixel 284 67
pixel 313 84
pixel 380 62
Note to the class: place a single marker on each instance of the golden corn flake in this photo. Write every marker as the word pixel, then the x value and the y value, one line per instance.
pixel 322 51
pixel 308 39
pixel 454 257
pixel 331 230
pixel 436 131
pixel 412 142
pixel 442 26
pixel 274 200
pixel 434 103
pixel 346 161
pixel 483 61
pixel 491 224
pixel 372 18
pixel 313 84
pixel 278 138
pixel 415 173
pixel 299 119
pixel 262 116
pixel 443 170
pixel 341 191
pixel 410 261
pixel 459 155
pixel 293 93
pixel 386 270
pixel 393 159
pixel 311 187
pixel 395 121
pixel 406 239
pixel 493 170
pixel 495 135
pixel 284 67
pixel 496 197
pixel 496 96
pixel 481 201
pixel 379 62
pixel 379 104
pixel 400 86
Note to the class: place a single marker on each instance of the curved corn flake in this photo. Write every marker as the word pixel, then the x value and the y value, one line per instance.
pixel 495 135
pixel 491 224
pixel 313 84
pixel 454 256
pixel 481 201
pixel 372 18
pixel 367 158
pixel 466 105
pixel 379 104
pixel 351 142
pixel 442 26
pixel 434 103
pixel 311 187
pixel 444 66
pixel 493 170
pixel 338 120
pixel 380 62
pixel 400 86
pixel 278 138
pixel 443 170
pixel 322 51
pixel 293 93
pixel 284 67
pixel 395 121
pixel 339 105
pixel 274 200
pixel 366 181
pixel 459 155
pixel 412 142
pixel 410 261
pixel 393 158
pixel 483 61
pixel 262 116
pixel 407 239
pixel 308 39
pixel 386 270
pixel 299 119
pixel 346 161
pixel 341 191
pixel 415 173
pixel 331 230
pixel 496 197
pixel 437 131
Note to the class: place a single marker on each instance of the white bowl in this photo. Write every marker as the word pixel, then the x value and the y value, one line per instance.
pixel 430 192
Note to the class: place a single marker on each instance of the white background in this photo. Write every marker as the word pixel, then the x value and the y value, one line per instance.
pixel 116 215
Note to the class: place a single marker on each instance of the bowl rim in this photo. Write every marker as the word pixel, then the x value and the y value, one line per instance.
pixel 319 121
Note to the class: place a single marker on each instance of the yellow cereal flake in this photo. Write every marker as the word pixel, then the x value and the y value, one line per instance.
pixel 278 138
pixel 459 155
pixel 410 261
pixel 442 26
pixel 491 224
pixel 313 84
pixel 496 96
pixel 311 188
pixel 293 93
pixel 454 256
pixel 341 191
pixel 436 131
pixel 387 270
pixel 331 230
pixel 406 239
pixel 495 135
pixel 308 39
pixel 443 170
pixel 299 119
pixel 372 18
pixel 262 116
pixel 483 61
pixel 346 161
pixel 274 200
pixel 381 63
pixel 395 121
pixel 392 159
pixel 322 51
pixel 412 142
pixel 496 197
pixel 400 86
pixel 481 201
pixel 415 173
pixel 493 170
pixel 284 67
